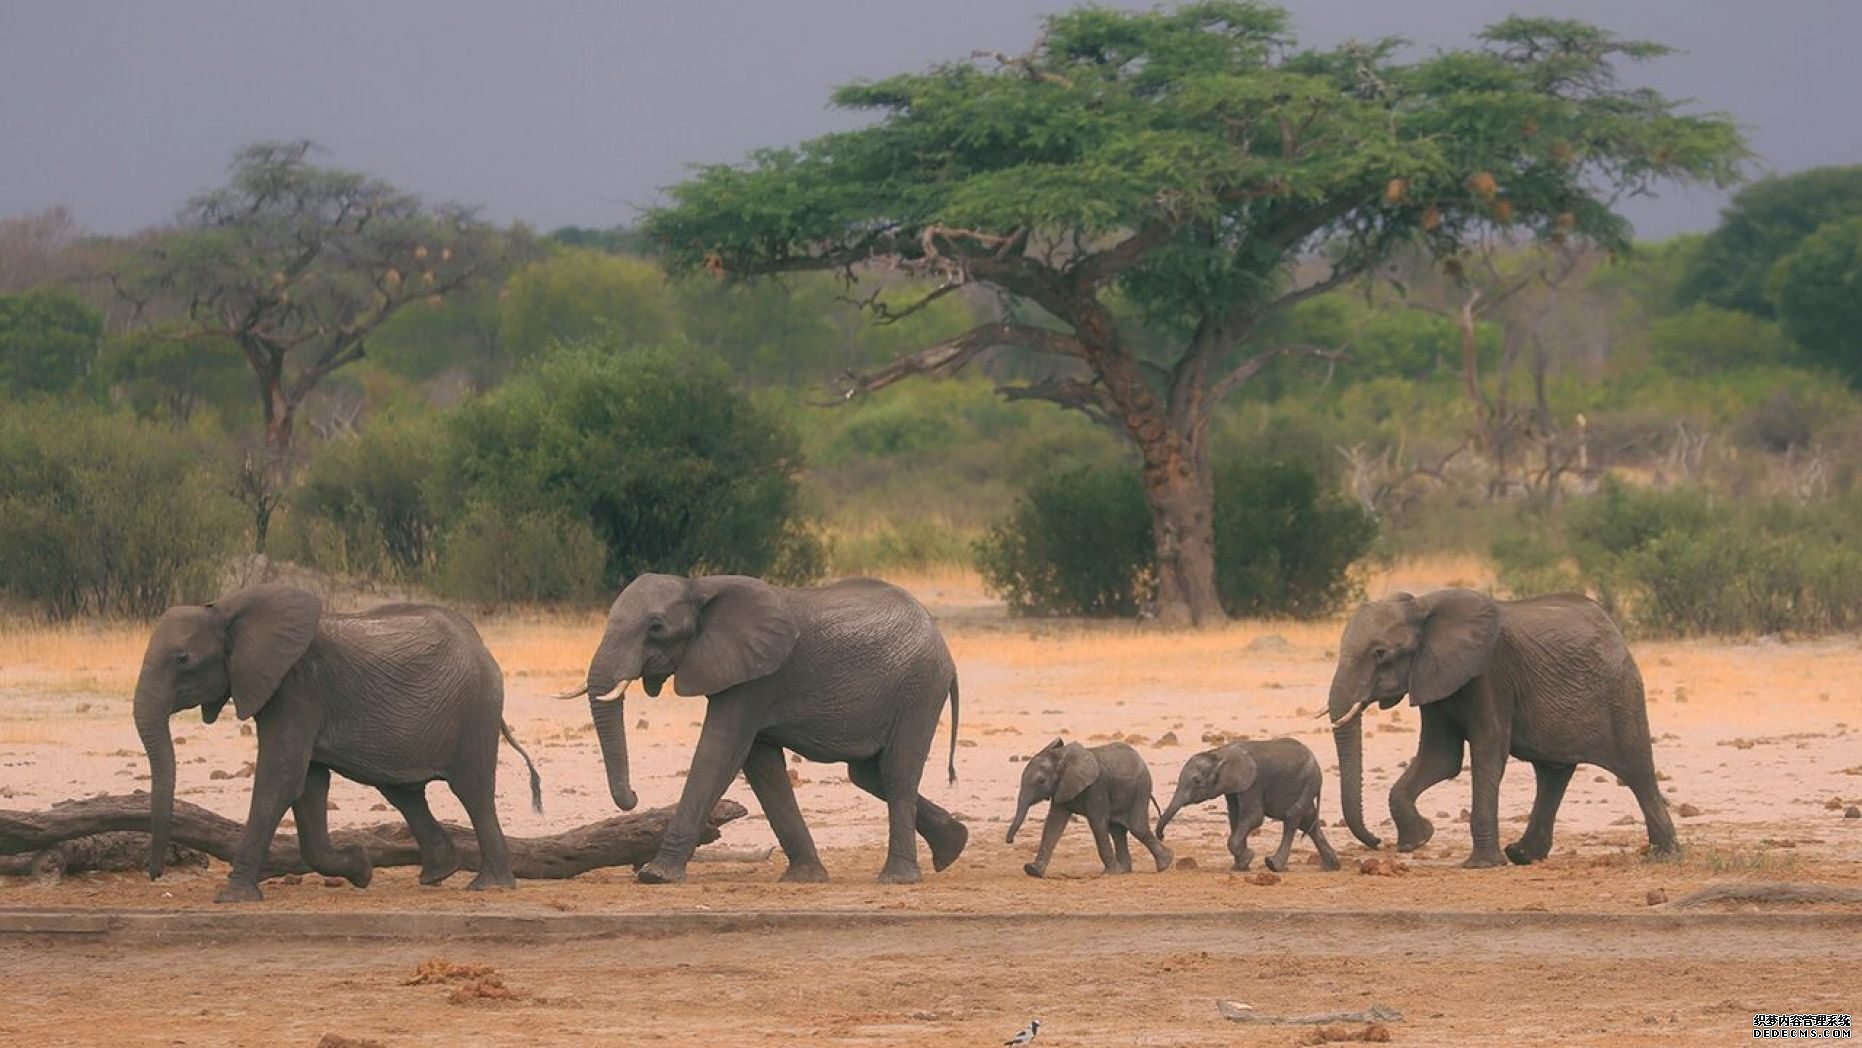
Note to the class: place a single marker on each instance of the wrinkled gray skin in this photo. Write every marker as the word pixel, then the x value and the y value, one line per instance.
pixel 393 698
pixel 1109 784
pixel 855 671
pixel 1274 778
pixel 1548 680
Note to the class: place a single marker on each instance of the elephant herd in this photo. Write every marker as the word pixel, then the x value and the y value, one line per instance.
pixel 856 672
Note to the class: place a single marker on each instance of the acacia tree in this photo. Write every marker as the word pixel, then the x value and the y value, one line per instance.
pixel 295 266
pixel 1171 169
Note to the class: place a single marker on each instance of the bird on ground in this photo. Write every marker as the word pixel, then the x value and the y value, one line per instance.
pixel 1026 1036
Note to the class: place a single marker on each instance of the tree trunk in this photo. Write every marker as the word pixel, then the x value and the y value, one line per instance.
pixel 625 840
pixel 1180 488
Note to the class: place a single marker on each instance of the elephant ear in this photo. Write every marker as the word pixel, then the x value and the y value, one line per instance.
pixel 1078 770
pixel 268 628
pixel 745 631
pixel 1459 630
pixel 1236 772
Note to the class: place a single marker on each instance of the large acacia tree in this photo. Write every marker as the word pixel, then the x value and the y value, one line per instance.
pixel 1192 171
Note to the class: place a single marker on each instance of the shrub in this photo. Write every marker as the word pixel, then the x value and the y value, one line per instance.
pixel 1076 543
pixel 669 463
pixel 102 515
pixel 1679 563
pixel 370 505
pixel 1080 543
pixel 48 341
pixel 1283 547
pixel 494 554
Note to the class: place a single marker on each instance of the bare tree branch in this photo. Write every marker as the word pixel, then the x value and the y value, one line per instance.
pixel 1253 366
pixel 1088 398
pixel 947 358
pixel 1099 266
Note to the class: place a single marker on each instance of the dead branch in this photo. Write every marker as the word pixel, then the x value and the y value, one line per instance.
pixel 947 358
pixel 624 840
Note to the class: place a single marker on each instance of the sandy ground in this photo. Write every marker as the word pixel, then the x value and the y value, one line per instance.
pixel 1757 739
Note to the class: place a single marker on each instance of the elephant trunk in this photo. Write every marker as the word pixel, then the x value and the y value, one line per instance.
pixel 152 708
pixel 611 730
pixel 1177 802
pixel 1022 804
pixel 1351 693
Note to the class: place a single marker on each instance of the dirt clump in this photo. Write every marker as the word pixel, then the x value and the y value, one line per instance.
pixel 1383 867
pixel 1265 878
pixel 438 970
pixel 1372 1032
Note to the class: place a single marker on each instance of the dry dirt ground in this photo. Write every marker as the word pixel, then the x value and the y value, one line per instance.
pixel 1758 742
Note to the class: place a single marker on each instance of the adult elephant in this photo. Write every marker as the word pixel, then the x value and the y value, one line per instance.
pixel 394 698
pixel 855 671
pixel 1548 680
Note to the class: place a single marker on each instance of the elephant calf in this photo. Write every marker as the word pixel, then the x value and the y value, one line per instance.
pixel 1274 778
pixel 1109 784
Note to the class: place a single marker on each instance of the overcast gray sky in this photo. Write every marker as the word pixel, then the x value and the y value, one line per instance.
pixel 564 113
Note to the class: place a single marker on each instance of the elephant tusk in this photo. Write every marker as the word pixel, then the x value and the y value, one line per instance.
pixel 1353 715
pixel 619 691
pixel 577 693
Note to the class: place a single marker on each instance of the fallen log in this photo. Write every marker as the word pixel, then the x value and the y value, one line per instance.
pixel 624 840
pixel 102 852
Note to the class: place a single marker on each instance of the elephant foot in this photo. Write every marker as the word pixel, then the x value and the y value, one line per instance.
pixel 362 870
pixel 1483 860
pixel 434 873
pixel 1034 869
pixel 900 872
pixel 1328 865
pixel 1411 838
pixel 1114 870
pixel 1165 857
pixel 1242 862
pixel 485 882
pixel 1521 853
pixel 660 872
pixel 947 845
pixel 239 891
pixel 1666 851
pixel 1277 865
pixel 804 873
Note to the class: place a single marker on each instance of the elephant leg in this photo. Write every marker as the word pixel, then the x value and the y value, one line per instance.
pixel 1645 786
pixel 1057 820
pixel 1121 847
pixel 899 775
pixel 1102 840
pixel 1289 827
pixel 1147 837
pixel 1536 842
pixel 285 741
pixel 940 829
pixel 1315 832
pixel 769 778
pixel 1438 759
pixel 723 745
pixel 438 858
pixel 1246 817
pixel 1488 756
pixel 313 833
pixel 479 796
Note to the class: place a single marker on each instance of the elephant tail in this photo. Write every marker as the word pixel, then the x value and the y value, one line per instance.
pixel 536 781
pixel 1155 808
pixel 953 727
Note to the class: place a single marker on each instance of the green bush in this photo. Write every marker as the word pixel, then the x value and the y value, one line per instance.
pixel 659 451
pixel 372 506
pixel 1682 563
pixel 48 341
pixel 1076 543
pixel 494 555
pixel 1080 543
pixel 103 515
pixel 913 544
pixel 1282 546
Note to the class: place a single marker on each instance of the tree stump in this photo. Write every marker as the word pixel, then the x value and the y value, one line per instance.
pixel 70 831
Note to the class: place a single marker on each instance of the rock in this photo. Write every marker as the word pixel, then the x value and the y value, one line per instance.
pixel 1852 812
pixel 1600 778
pixel 334 882
pixel 1265 878
pixel 795 778
pixel 1186 862
pixel 1834 804
pixel 1169 738
pixel 641 724
pixel 330 805
pixel 1687 811
pixel 378 806
pixel 1268 642
pixel 1215 738
pixel 1382 867
pixel 245 730
pixel 1656 897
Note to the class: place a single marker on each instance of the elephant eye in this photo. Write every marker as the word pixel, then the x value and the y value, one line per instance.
pixel 181 657
pixel 656 628
pixel 1380 652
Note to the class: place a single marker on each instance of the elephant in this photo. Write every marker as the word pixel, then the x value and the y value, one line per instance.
pixel 1547 679
pixel 1272 778
pixel 394 698
pixel 1109 784
pixel 853 671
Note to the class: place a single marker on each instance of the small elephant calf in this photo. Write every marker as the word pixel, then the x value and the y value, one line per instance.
pixel 1274 778
pixel 1109 784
